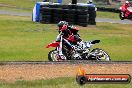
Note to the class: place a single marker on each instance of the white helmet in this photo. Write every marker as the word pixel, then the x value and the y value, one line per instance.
pixel 127 2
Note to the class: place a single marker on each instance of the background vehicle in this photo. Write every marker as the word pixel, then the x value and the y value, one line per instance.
pixel 127 14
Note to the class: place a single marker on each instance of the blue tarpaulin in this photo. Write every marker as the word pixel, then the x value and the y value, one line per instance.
pixel 59 1
pixel 36 10
pixel 36 13
pixel 83 4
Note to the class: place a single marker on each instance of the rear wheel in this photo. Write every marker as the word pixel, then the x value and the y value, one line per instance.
pixel 100 55
pixel 130 17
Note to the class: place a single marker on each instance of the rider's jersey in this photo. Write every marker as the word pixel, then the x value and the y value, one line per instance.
pixel 124 7
pixel 70 30
pixel 71 34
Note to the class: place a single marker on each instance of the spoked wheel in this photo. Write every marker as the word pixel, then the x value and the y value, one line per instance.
pixel 53 56
pixel 100 55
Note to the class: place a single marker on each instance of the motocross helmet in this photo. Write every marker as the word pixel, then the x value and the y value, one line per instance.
pixel 127 3
pixel 61 24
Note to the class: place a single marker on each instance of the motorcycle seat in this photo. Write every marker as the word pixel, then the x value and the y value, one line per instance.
pixel 95 41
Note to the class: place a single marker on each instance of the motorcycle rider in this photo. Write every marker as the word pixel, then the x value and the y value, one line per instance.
pixel 124 8
pixel 70 33
pixel 67 29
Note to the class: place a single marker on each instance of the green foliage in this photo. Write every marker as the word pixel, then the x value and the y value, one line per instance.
pixel 110 15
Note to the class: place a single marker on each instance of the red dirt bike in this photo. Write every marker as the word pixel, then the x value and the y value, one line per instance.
pixel 76 52
pixel 127 14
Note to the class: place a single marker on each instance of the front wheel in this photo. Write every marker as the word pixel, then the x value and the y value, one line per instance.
pixel 121 15
pixel 100 55
pixel 54 56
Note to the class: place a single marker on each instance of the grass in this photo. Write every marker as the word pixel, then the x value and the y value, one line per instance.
pixel 63 82
pixel 110 15
pixel 15 10
pixel 27 6
pixel 21 4
pixel 23 40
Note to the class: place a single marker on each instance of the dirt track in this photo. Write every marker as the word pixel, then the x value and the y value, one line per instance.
pixel 12 73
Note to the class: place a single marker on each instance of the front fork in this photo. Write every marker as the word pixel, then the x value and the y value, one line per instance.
pixel 60 47
pixel 122 14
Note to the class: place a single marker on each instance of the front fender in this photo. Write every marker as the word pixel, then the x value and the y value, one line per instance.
pixel 53 44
